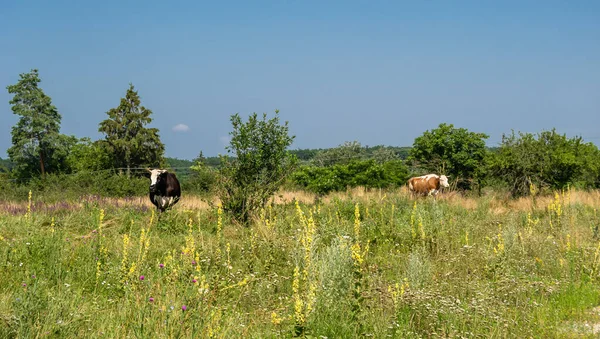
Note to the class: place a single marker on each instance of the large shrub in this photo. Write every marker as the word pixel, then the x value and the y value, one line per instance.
pixel 260 164
pixel 366 173
pixel 526 162
pixel 455 152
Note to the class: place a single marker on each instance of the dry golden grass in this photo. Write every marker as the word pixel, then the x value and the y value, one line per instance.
pixel 498 203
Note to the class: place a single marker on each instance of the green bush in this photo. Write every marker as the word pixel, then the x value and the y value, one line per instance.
pixel 202 180
pixel 546 161
pixel 366 173
pixel 58 187
pixel 261 165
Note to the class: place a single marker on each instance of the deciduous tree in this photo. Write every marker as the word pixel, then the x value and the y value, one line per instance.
pixel 455 152
pixel 527 162
pixel 260 164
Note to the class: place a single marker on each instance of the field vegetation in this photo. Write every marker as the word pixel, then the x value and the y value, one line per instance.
pixel 356 263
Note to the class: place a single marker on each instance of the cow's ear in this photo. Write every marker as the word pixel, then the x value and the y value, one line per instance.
pixel 149 170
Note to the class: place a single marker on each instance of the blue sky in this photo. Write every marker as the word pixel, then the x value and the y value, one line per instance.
pixel 379 72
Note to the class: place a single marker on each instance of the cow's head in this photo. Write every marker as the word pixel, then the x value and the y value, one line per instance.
pixel 444 181
pixel 156 176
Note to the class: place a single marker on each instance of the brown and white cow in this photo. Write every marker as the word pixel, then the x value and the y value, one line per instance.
pixel 427 184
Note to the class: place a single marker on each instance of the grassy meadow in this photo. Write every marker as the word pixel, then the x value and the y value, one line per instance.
pixel 355 264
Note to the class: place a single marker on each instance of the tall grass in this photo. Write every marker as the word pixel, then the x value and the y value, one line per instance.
pixel 360 263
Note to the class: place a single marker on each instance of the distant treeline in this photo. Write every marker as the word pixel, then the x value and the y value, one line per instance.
pixel 305 155
pixel 46 161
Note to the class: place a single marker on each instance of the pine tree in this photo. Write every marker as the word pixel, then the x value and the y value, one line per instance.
pixel 36 139
pixel 127 139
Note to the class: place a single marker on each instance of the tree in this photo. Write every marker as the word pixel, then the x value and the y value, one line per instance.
pixel 527 162
pixel 88 156
pixel 455 152
pixel 383 154
pixel 37 145
pixel 259 166
pixel 202 178
pixel 129 142
pixel 343 154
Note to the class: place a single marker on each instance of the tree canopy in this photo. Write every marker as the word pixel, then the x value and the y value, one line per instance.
pixel 37 145
pixel 526 162
pixel 128 140
pixel 455 152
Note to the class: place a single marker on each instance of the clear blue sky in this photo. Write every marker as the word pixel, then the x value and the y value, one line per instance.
pixel 380 72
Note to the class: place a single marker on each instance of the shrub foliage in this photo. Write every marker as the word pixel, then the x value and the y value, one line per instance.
pixel 260 164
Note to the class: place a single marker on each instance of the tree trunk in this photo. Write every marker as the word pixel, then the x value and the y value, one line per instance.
pixel 42 164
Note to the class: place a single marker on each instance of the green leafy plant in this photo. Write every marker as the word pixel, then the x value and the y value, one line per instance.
pixel 260 165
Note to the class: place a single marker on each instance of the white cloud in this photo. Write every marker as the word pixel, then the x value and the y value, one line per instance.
pixel 181 128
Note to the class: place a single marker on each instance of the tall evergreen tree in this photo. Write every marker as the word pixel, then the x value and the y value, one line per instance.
pixel 37 145
pixel 130 143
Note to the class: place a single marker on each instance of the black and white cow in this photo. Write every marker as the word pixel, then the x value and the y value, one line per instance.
pixel 164 189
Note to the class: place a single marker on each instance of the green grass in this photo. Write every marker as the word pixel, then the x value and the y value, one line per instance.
pixel 443 269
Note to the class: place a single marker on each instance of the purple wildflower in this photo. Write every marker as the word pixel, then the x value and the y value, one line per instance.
pixel 194 262
pixel 151 299
pixel 194 281
pixel 142 277
pixel 184 308
pixel 24 285
pixel 161 265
